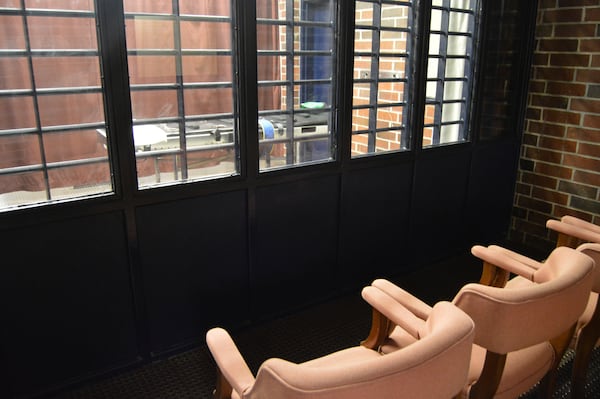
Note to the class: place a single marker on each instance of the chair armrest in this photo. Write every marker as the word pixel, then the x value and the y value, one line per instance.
pixel 231 365
pixel 570 232
pixel 393 310
pixel 518 257
pixel 419 308
pixel 392 306
pixel 584 224
pixel 496 258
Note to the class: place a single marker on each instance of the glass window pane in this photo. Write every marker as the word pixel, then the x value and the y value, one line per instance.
pixel 14 154
pixel 148 7
pixel 52 139
pixel 149 34
pixel 83 71
pixel 208 101
pixel 10 3
pixel 462 4
pixel 204 8
pixel 194 35
pixel 12 33
pixel 181 77
pixel 389 117
pixel 390 92
pixel 458 45
pixel 360 119
pixel 385 141
pixel 296 61
pixel 394 16
pixel 271 97
pixel 456 68
pixel 392 67
pixel 451 112
pixel 17 112
pixel 363 41
pixel 364 13
pixel 70 109
pixel 11 75
pixel 393 42
pixel 72 5
pixel 147 104
pixel 459 22
pixel 74 33
pixel 206 68
pixel 453 90
pixel 151 69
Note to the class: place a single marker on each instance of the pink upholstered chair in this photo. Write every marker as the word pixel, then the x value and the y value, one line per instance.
pixel 521 330
pixel 584 235
pixel 435 365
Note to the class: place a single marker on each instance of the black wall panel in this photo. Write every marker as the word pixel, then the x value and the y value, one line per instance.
pixel 296 238
pixel 65 301
pixel 491 191
pixel 193 256
pixel 374 223
pixel 437 208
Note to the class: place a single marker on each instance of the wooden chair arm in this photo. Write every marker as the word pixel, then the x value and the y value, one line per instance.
pixel 499 263
pixel 493 276
pixel 380 327
pixel 572 234
pixel 411 302
pixel 387 314
pixel 223 388
pixel 232 371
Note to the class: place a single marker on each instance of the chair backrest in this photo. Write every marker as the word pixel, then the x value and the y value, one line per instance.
pixel 509 319
pixel 435 366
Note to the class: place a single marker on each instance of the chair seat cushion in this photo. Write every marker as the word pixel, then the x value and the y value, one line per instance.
pixel 398 339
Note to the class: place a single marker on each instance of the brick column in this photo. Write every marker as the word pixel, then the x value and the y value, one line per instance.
pixel 559 170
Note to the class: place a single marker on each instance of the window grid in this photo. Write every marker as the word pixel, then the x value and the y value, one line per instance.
pixel 301 134
pixel 382 76
pixel 33 168
pixel 442 123
pixel 215 134
pixel 373 133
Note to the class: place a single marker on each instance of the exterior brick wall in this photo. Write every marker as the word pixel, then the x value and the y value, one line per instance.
pixel 559 171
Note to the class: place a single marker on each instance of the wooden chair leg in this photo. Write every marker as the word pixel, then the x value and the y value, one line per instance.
pixel 490 377
pixel 588 336
pixel 560 345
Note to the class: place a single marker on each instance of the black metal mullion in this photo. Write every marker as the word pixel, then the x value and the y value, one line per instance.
pixel 405 138
pixel 180 95
pixel 441 74
pixel 36 107
pixel 289 45
pixel 117 105
pixel 374 92
pixel 235 83
pixel 467 86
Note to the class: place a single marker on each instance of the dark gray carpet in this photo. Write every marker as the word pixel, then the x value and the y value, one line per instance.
pixel 297 338
pixel 304 335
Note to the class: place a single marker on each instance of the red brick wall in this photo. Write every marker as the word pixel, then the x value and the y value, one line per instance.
pixel 559 170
